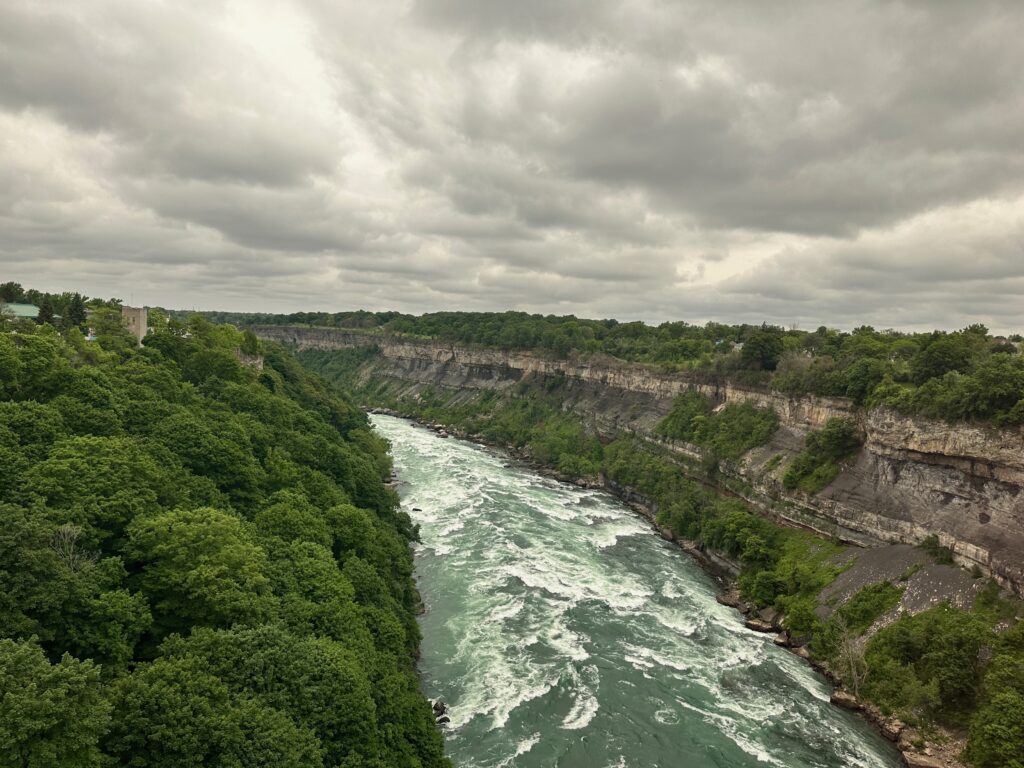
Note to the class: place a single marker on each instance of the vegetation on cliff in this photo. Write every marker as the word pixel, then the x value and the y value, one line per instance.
pixel 961 375
pixel 200 563
pixel 727 433
pixel 818 463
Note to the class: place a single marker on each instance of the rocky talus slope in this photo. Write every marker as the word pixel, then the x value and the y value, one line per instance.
pixel 914 478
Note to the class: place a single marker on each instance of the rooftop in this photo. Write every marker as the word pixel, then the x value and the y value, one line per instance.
pixel 22 310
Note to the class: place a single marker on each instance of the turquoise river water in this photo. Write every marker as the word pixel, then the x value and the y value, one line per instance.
pixel 562 631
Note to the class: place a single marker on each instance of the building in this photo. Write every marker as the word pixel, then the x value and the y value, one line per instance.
pixel 20 311
pixel 136 320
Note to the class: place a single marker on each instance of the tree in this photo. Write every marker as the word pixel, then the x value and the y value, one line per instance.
pixel 208 363
pixel 11 293
pixel 250 344
pixel 950 352
pixel 74 314
pixel 818 464
pixel 762 350
pixel 10 365
pixel 50 714
pixel 29 596
pixel 227 462
pixel 200 567
pixel 292 518
pixel 99 619
pixel 850 655
pixel 995 387
pixel 172 713
pixel 316 681
pixel 45 315
pixel 102 483
pixel 997 732
pixel 176 712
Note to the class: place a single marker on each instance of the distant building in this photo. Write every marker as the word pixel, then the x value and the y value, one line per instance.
pixel 21 311
pixel 136 320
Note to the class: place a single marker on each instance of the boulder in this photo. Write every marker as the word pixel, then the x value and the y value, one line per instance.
pixel 771 616
pixel 782 640
pixel 802 652
pixel 759 625
pixel 892 729
pixel 730 598
pixel 908 739
pixel 846 700
pixel 917 760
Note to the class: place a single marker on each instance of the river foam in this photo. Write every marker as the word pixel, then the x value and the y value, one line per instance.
pixel 561 631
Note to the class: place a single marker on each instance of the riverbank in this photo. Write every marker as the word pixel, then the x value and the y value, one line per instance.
pixel 914 747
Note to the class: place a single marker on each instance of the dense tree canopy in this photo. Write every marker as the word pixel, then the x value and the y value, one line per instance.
pixel 200 564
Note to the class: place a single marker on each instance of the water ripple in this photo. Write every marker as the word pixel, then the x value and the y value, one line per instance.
pixel 562 632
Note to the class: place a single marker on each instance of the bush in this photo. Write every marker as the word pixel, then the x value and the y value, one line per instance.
pixel 940 554
pixel 997 729
pixel 818 464
pixel 935 652
pixel 868 605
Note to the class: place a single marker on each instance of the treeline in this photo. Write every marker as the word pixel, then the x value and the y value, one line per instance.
pixel 65 310
pixel 960 375
pixel 200 563
pixel 963 669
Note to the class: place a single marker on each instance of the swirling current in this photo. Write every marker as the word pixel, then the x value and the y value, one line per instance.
pixel 561 631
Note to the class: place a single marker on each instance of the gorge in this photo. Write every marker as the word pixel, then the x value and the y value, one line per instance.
pixel 561 630
pixel 915 477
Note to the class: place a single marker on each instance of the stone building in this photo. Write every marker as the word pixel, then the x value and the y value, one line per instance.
pixel 136 320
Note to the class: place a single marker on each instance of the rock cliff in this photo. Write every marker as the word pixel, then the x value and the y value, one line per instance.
pixel 914 478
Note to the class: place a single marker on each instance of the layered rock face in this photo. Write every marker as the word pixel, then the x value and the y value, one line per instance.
pixel 914 478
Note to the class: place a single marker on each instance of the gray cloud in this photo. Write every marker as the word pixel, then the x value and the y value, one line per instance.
pixel 834 162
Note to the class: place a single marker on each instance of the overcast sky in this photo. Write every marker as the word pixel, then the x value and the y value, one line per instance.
pixel 842 162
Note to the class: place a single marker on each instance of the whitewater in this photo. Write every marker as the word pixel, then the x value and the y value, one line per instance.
pixel 562 631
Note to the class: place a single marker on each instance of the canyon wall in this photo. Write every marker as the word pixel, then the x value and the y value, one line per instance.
pixel 914 478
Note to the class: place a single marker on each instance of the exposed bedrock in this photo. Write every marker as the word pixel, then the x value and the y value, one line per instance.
pixel 915 477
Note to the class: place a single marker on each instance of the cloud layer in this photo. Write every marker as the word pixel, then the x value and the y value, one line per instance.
pixel 805 163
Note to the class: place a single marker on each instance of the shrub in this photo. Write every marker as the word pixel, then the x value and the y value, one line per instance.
pixel 940 554
pixel 818 464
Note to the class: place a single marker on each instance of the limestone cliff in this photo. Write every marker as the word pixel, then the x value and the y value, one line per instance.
pixel 914 477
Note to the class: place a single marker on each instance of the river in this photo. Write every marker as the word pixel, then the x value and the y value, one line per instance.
pixel 562 631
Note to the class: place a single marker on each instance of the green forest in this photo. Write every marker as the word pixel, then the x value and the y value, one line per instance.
pixel 201 563
pixel 958 669
pixel 961 375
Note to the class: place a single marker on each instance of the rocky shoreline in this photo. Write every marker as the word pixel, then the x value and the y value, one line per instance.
pixel 915 749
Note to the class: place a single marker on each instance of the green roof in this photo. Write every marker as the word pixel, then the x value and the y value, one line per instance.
pixel 22 310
